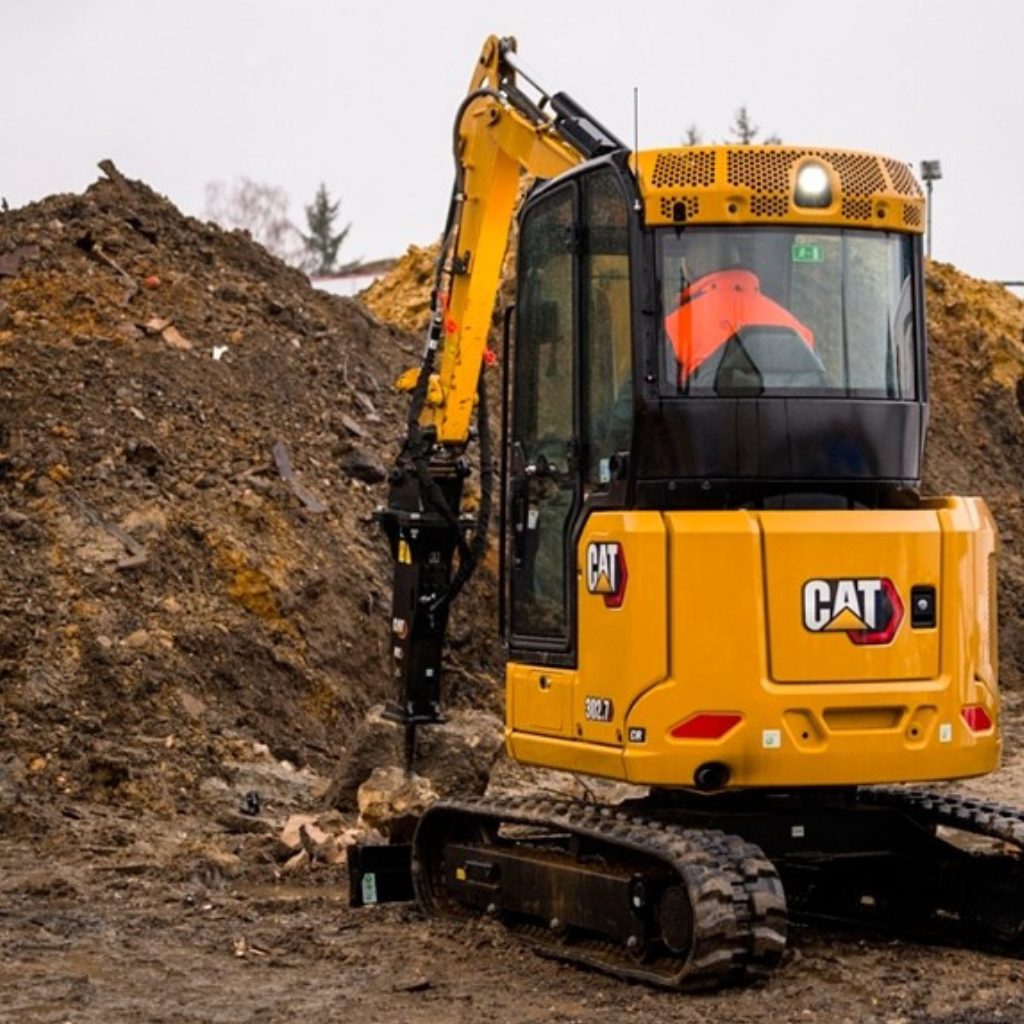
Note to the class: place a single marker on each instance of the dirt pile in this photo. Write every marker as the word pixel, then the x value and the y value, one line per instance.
pixel 402 296
pixel 976 431
pixel 192 440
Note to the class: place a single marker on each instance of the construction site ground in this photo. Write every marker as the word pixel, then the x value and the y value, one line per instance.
pixel 194 611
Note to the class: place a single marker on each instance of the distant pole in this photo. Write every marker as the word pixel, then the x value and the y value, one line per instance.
pixel 931 170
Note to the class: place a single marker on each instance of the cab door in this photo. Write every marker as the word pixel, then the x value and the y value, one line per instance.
pixel 543 461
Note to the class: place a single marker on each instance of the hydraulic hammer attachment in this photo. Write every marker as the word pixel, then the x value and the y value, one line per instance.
pixel 423 539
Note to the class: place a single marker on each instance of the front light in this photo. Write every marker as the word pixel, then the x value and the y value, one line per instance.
pixel 813 187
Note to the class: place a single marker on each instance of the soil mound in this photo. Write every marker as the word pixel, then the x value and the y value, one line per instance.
pixel 402 296
pixel 976 430
pixel 192 441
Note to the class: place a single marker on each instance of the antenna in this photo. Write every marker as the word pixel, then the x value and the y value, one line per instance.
pixel 636 120
pixel 636 132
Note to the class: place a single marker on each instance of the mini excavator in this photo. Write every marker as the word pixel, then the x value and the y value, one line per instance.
pixel 718 577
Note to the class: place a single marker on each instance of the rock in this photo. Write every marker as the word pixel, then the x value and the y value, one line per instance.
pixel 145 455
pixel 295 864
pixel 194 707
pixel 137 640
pixel 221 863
pixel 155 325
pixel 12 520
pixel 332 821
pixel 173 337
pixel 391 801
pixel 364 400
pixel 363 464
pixel 352 426
pixel 291 834
pixel 457 756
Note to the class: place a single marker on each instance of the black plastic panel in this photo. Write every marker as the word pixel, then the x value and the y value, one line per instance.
pixel 802 440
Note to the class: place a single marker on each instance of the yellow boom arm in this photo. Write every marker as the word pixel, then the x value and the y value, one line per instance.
pixel 497 139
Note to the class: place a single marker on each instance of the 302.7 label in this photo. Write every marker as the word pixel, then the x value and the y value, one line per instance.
pixel 597 709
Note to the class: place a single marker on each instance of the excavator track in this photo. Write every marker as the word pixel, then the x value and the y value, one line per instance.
pixel 632 896
pixel 968 888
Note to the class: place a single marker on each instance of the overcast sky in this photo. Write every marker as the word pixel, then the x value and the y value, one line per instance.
pixel 361 95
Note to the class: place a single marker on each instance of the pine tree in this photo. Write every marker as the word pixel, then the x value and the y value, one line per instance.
pixel 321 242
pixel 693 136
pixel 746 132
pixel 743 127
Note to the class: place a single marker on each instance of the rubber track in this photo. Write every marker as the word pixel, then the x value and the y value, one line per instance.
pixel 738 901
pixel 979 817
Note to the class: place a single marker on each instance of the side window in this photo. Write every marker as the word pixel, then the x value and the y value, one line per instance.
pixel 606 335
pixel 544 475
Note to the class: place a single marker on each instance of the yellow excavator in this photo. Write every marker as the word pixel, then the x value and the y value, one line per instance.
pixel 718 577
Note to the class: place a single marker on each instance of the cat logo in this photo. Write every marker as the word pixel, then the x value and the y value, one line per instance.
pixel 606 571
pixel 868 611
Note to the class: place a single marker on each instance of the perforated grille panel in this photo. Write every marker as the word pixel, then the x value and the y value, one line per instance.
pixel 859 174
pixel 760 171
pixel 737 184
pixel 902 178
pixel 912 215
pixel 769 206
pixel 689 169
pixel 857 209
pixel 691 207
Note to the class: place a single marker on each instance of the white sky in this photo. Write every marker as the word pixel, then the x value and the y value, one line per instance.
pixel 361 95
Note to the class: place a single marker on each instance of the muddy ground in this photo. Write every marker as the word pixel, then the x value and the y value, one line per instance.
pixel 194 608
pixel 116 917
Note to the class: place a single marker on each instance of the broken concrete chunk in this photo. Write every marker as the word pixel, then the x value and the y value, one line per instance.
pixel 365 465
pixel 155 324
pixel 291 834
pixel 173 337
pixel 390 799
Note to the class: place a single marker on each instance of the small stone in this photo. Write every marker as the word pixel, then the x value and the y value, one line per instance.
pixel 155 324
pixel 171 605
pixel 127 330
pixel 11 520
pixel 294 864
pixel 365 465
pixel 364 400
pixel 193 706
pixel 137 640
pixel 220 863
pixel 173 337
pixel 352 426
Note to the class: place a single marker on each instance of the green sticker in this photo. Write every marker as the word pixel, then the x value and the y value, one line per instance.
pixel 808 252
pixel 369 888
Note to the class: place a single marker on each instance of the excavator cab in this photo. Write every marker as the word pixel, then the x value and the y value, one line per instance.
pixel 719 568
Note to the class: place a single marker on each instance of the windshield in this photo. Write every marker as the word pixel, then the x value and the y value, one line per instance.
pixel 778 311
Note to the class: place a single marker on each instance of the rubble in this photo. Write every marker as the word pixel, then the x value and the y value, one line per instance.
pixel 392 800
pixel 457 756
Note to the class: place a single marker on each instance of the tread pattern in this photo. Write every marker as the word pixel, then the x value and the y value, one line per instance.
pixel 979 817
pixel 739 907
